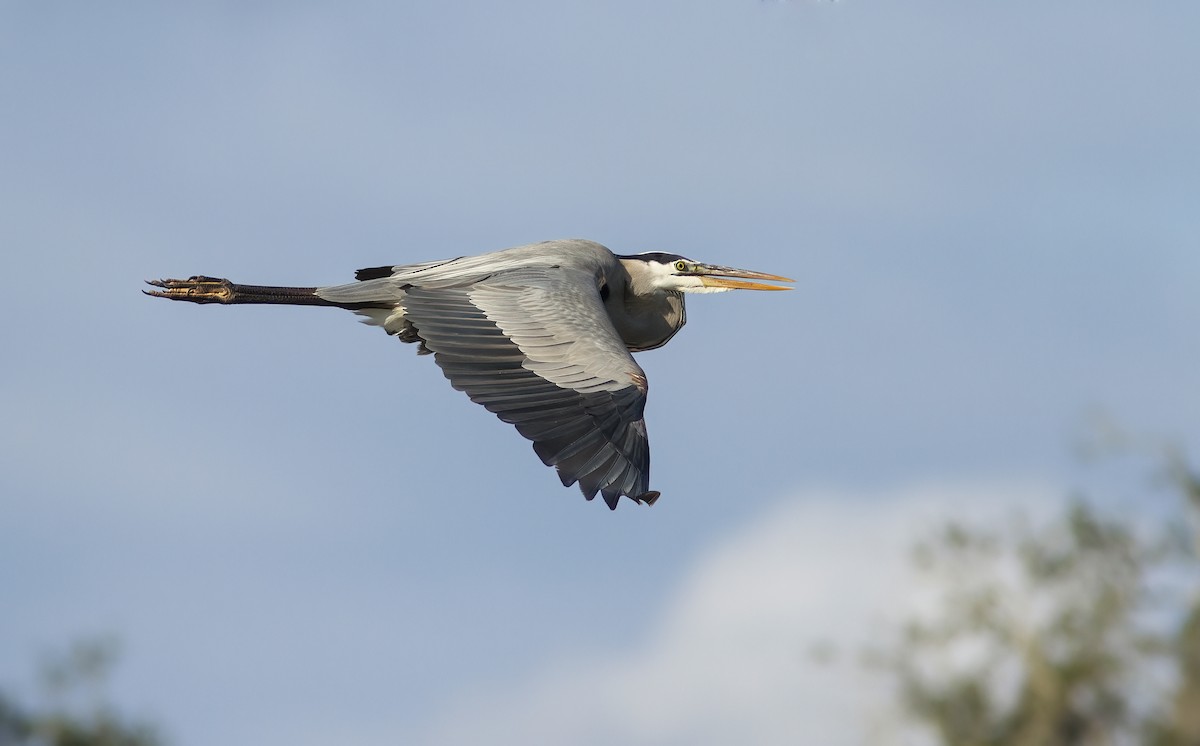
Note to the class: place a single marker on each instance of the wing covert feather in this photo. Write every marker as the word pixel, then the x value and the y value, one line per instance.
pixel 537 349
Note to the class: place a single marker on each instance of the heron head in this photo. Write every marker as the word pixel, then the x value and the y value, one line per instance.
pixel 672 272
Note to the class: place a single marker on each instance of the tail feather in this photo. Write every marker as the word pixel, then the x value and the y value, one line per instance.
pixel 380 292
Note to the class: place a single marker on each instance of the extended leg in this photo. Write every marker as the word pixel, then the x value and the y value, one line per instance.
pixel 201 289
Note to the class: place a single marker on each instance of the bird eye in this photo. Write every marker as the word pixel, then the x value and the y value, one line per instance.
pixel 681 266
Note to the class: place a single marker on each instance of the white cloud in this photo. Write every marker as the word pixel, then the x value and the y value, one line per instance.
pixel 731 659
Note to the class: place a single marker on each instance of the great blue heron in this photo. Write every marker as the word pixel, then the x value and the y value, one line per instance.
pixel 540 335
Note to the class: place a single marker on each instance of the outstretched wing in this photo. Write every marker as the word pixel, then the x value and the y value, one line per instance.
pixel 535 346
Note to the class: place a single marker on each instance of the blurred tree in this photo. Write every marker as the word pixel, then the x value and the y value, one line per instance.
pixel 1182 726
pixel 76 713
pixel 1084 632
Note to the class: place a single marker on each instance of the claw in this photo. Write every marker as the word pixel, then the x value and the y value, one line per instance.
pixel 197 289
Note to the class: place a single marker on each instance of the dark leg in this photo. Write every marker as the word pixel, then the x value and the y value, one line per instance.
pixel 201 289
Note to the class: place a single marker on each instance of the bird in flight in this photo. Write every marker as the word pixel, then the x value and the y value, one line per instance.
pixel 540 335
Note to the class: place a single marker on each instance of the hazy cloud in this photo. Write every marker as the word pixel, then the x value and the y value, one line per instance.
pixel 761 642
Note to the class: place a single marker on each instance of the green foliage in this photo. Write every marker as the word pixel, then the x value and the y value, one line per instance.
pixel 1077 633
pixel 76 713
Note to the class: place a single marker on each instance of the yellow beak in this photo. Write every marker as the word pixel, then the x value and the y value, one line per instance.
pixel 714 276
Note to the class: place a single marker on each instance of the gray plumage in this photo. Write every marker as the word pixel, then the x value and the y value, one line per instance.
pixel 540 335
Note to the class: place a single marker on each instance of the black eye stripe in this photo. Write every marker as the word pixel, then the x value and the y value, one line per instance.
pixel 656 256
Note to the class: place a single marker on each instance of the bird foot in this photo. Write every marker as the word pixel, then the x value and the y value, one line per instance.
pixel 197 289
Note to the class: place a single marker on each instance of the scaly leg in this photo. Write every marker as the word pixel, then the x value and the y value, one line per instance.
pixel 201 289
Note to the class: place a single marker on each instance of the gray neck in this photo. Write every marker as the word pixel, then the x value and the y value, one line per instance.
pixel 647 321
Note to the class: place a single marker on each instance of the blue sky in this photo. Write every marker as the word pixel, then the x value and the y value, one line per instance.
pixel 301 533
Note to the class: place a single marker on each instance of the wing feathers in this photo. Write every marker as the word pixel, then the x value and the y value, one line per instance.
pixel 513 344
